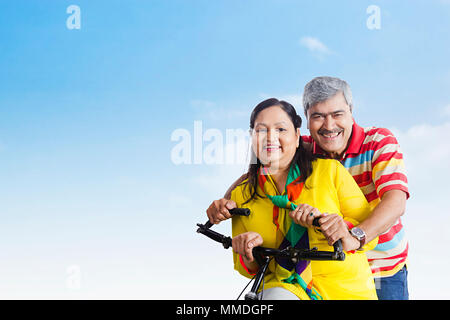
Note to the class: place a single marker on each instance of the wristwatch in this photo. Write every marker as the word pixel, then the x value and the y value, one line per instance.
pixel 360 235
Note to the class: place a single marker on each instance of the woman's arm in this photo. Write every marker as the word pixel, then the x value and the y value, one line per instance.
pixel 243 243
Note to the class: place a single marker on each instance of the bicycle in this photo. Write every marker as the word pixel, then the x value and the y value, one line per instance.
pixel 262 254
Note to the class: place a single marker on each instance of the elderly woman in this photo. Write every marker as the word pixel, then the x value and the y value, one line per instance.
pixel 282 177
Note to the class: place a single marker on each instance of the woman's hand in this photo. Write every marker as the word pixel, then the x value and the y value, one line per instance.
pixel 334 228
pixel 244 243
pixel 304 215
pixel 218 210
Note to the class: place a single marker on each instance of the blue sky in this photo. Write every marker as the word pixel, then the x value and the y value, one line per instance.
pixel 86 118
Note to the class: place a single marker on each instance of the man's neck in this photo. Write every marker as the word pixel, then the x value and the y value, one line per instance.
pixel 335 155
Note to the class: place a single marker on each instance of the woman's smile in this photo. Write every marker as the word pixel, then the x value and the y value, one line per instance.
pixel 272 148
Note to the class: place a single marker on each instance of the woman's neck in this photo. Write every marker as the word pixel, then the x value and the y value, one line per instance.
pixel 279 176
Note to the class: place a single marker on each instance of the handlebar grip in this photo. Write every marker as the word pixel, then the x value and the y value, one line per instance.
pixel 337 245
pixel 208 224
pixel 240 211
pixel 235 211
pixel 316 222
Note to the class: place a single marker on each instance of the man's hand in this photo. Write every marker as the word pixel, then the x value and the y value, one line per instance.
pixel 334 228
pixel 218 210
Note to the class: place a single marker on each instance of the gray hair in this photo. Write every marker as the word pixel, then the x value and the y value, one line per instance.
pixel 323 88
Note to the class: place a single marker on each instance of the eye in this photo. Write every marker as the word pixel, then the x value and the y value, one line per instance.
pixel 282 129
pixel 316 117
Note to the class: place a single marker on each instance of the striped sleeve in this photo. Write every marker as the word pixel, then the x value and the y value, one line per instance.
pixel 388 169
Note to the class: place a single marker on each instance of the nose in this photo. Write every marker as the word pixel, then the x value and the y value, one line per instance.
pixel 328 122
pixel 272 136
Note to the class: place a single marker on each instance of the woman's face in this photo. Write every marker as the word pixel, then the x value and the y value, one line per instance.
pixel 274 138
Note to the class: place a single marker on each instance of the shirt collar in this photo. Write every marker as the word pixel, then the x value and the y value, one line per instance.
pixel 356 141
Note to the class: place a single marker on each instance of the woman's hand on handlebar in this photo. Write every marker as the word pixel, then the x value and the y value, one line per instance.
pixel 304 215
pixel 218 210
pixel 244 243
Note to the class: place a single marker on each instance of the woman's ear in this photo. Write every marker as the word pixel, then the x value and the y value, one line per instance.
pixel 298 137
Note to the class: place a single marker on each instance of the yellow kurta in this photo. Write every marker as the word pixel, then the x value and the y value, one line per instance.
pixel 331 189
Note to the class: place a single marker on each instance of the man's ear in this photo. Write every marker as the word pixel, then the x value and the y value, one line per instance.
pixel 307 120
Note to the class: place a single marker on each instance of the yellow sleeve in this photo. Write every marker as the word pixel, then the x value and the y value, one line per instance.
pixel 237 227
pixel 353 204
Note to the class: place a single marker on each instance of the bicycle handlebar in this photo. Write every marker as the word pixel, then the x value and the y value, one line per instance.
pixel 262 254
pixel 293 253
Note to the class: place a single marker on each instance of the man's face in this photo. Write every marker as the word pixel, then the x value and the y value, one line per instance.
pixel 330 124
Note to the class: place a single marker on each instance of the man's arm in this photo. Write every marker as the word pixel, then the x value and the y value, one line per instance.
pixel 236 183
pixel 391 183
pixel 385 214
pixel 218 209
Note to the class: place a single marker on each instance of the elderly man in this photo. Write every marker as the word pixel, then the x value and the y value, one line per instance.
pixel 373 157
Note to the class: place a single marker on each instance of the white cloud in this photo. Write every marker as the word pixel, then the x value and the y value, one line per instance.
pixel 426 150
pixel 315 46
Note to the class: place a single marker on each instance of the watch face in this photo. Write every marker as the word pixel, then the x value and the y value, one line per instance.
pixel 357 232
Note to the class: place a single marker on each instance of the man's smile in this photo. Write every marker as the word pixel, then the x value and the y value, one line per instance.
pixel 330 135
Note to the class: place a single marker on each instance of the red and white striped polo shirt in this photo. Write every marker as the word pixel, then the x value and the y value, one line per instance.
pixel 375 161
